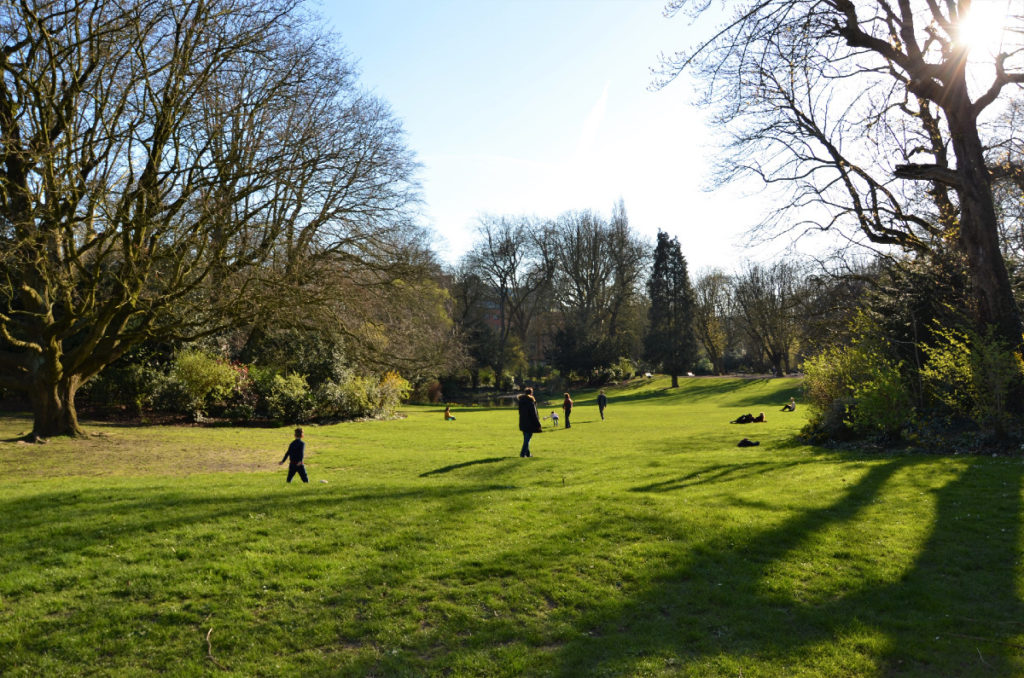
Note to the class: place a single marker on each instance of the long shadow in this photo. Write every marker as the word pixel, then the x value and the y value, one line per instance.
pixel 79 521
pixel 716 473
pixel 957 605
pixel 455 467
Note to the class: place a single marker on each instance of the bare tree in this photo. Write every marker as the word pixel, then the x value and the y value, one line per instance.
pixel 713 291
pixel 508 259
pixel 765 299
pixel 850 104
pixel 598 282
pixel 163 165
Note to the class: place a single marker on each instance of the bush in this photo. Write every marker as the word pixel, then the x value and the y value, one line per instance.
pixel 857 388
pixel 972 375
pixel 355 397
pixel 349 399
pixel 391 391
pixel 202 378
pixel 289 399
pixel 135 386
pixel 882 403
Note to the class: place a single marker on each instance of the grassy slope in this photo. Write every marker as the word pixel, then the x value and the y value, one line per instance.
pixel 647 544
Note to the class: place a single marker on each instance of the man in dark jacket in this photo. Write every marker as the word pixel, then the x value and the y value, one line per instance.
pixel 529 419
pixel 296 451
pixel 602 402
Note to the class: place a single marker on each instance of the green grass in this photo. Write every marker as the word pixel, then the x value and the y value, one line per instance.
pixel 645 545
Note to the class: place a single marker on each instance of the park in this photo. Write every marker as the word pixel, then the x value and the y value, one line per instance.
pixel 647 544
pixel 360 237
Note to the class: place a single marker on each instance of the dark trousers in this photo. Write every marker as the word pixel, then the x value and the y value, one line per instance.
pixel 297 468
pixel 601 410
pixel 525 452
pixel 567 413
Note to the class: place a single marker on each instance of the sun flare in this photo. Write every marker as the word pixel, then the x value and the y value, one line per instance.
pixel 982 29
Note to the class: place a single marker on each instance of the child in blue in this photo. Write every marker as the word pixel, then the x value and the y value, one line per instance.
pixel 296 451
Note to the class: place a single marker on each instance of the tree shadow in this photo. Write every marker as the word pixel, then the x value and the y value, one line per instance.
pixel 716 473
pixel 455 467
pixel 963 582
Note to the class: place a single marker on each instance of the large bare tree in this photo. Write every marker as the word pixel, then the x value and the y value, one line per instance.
pixel 509 258
pixel 712 304
pixel 165 163
pixel 857 105
pixel 766 301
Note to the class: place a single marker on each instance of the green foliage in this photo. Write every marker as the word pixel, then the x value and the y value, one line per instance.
pixel 356 397
pixel 136 386
pixel 882 404
pixel 202 378
pixel 946 374
pixel 671 340
pixel 973 375
pixel 289 399
pixel 857 388
pixel 391 390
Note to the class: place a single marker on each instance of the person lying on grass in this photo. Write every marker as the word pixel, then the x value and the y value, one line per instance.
pixel 749 419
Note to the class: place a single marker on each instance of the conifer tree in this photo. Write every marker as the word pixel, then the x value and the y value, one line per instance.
pixel 670 341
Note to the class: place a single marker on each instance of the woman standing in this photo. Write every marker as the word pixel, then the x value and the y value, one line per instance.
pixel 567 406
pixel 529 419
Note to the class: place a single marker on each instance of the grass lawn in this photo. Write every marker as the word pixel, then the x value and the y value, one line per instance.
pixel 644 545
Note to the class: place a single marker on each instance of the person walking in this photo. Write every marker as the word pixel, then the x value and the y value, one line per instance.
pixel 567 408
pixel 296 452
pixel 602 402
pixel 529 419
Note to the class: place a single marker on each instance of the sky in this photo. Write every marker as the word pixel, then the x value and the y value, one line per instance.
pixel 538 107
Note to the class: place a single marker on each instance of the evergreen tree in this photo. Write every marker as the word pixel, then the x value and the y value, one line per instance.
pixel 670 341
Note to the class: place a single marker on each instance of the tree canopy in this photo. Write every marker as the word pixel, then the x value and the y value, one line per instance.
pixel 163 166
pixel 874 116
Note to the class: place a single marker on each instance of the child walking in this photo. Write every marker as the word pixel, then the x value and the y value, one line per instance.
pixel 296 451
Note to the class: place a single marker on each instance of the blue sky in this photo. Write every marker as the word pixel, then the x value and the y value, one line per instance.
pixel 538 107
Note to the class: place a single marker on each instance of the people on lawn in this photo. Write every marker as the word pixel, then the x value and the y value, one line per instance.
pixel 529 419
pixel 567 408
pixel 295 455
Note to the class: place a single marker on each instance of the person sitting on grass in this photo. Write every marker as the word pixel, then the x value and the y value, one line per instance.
pixel 297 450
pixel 790 406
pixel 448 413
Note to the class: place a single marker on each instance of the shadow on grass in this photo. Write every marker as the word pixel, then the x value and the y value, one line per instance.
pixel 956 605
pixel 455 467
pixel 716 473
pixel 82 520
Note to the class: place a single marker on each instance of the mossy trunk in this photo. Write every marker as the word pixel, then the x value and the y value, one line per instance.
pixel 53 408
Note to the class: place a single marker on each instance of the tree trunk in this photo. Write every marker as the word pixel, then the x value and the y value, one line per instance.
pixel 53 407
pixel 979 234
pixel 675 381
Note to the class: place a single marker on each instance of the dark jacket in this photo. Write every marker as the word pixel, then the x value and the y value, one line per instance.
pixel 296 451
pixel 529 420
pixel 567 405
pixel 602 401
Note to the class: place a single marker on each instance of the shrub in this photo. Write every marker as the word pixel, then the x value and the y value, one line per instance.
pixel 202 378
pixel 136 386
pixel 882 403
pixel 289 399
pixel 974 376
pixel 350 398
pixel 354 397
pixel 857 388
pixel 391 391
